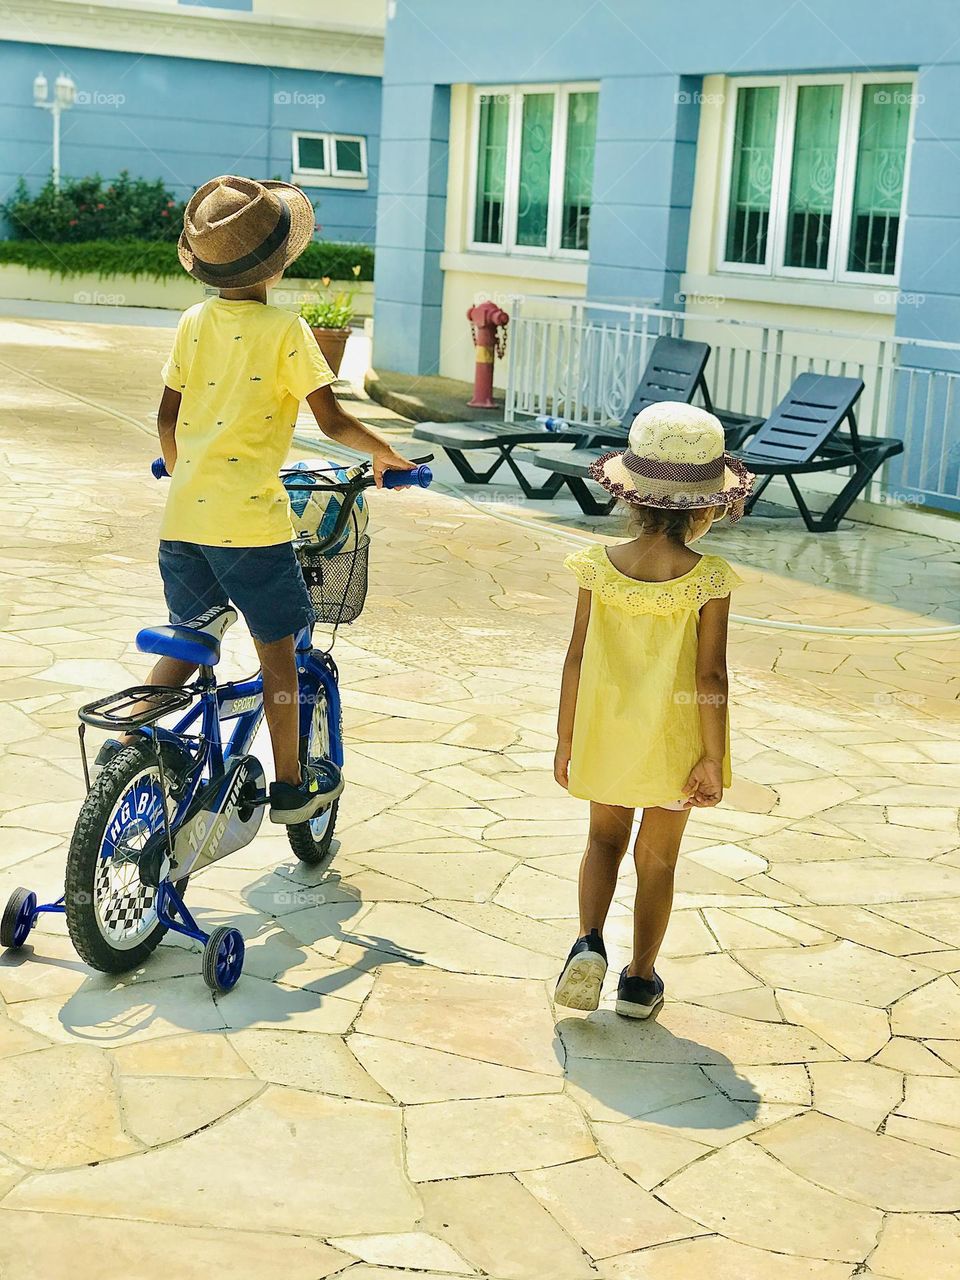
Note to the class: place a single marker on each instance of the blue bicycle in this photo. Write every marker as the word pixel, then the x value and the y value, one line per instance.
pixel 176 800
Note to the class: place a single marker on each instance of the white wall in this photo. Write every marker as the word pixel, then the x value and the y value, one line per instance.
pixel 469 278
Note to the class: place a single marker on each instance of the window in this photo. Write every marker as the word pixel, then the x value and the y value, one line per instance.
pixel 310 153
pixel 329 155
pixel 816 169
pixel 349 155
pixel 533 169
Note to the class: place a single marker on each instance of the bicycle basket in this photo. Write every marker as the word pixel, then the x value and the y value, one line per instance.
pixel 337 583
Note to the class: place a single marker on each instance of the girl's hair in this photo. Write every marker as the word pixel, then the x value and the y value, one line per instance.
pixel 674 523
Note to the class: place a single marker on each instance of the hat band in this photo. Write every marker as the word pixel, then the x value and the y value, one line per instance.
pixel 679 472
pixel 266 249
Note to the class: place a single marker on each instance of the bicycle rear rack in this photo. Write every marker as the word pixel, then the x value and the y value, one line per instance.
pixel 119 710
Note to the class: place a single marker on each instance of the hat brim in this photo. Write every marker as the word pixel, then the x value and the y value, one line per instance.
pixel 302 225
pixel 610 472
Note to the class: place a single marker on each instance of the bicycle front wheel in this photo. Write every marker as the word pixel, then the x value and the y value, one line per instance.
pixel 311 841
pixel 111 914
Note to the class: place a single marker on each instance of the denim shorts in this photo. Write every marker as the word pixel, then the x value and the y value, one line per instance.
pixel 264 583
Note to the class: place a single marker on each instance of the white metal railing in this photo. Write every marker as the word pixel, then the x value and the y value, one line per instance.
pixel 581 360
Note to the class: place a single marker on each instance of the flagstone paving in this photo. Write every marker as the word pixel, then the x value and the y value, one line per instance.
pixel 390 1090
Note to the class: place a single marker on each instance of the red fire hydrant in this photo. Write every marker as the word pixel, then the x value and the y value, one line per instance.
pixel 485 320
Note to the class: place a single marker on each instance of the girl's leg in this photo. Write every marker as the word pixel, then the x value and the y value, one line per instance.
pixel 582 977
pixel 607 842
pixel 655 854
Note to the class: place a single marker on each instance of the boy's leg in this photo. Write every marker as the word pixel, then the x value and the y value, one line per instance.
pixel 655 854
pixel 189 589
pixel 281 706
pixel 293 797
pixel 607 842
pixel 172 673
pixel 266 585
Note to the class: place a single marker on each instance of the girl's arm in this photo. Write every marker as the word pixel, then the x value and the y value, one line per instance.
pixel 569 685
pixel 705 785
pixel 167 416
pixel 343 427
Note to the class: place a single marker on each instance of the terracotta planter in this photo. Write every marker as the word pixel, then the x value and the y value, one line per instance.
pixel 332 343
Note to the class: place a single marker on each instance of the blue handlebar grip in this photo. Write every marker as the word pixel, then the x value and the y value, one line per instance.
pixel 159 468
pixel 421 477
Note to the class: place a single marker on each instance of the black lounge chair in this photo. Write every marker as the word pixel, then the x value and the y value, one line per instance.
pixel 572 466
pixel 674 372
pixel 803 435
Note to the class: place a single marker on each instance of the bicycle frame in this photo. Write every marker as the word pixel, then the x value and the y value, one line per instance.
pixel 242 701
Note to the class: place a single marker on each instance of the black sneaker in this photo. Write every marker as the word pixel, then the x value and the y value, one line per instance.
pixel 639 997
pixel 583 974
pixel 321 785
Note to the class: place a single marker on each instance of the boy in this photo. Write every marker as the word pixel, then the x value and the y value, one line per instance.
pixel 232 387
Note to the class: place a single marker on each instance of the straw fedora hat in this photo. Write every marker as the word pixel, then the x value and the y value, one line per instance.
pixel 675 458
pixel 239 232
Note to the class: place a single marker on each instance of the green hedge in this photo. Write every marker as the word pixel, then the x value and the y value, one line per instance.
pixel 157 259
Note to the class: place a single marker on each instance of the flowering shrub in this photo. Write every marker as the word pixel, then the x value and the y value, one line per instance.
pixel 86 209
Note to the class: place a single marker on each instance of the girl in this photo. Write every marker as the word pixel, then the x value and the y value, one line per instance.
pixel 643 703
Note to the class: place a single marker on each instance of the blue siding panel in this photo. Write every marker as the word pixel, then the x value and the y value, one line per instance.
pixel 410 229
pixel 404 172
pixel 185 120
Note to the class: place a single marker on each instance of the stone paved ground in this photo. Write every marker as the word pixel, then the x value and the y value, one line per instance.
pixel 389 1087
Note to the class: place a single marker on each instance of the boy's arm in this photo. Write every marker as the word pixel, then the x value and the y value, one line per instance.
pixel 343 427
pixel 569 686
pixel 705 785
pixel 167 416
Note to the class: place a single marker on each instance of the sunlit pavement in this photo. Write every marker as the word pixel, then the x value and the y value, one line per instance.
pixel 389 1086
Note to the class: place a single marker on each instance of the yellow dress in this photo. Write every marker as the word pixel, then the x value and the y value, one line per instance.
pixel 636 732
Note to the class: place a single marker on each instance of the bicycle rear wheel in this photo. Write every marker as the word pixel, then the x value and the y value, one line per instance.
pixel 311 841
pixel 111 914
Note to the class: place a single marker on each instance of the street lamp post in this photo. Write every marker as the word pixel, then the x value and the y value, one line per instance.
pixel 64 96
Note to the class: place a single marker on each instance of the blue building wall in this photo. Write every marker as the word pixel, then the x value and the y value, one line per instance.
pixel 649 58
pixel 185 120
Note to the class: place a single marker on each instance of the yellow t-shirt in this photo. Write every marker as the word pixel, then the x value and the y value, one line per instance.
pixel 242 369
pixel 636 729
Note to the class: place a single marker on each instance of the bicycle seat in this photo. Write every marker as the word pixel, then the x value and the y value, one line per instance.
pixel 195 641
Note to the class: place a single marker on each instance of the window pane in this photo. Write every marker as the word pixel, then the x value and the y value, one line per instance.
pixel 813 176
pixel 536 142
pixel 755 138
pixel 311 153
pixel 349 158
pixel 878 193
pixel 491 168
pixel 578 175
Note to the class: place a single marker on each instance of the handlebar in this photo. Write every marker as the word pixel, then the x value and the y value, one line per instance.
pixel 419 476
pixel 358 478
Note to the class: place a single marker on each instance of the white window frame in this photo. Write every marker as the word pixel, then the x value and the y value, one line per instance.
pixel 330 175
pixel 332 155
pixel 295 157
pixel 847 142
pixel 558 164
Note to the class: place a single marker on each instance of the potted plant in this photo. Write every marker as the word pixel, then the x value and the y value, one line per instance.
pixel 329 319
